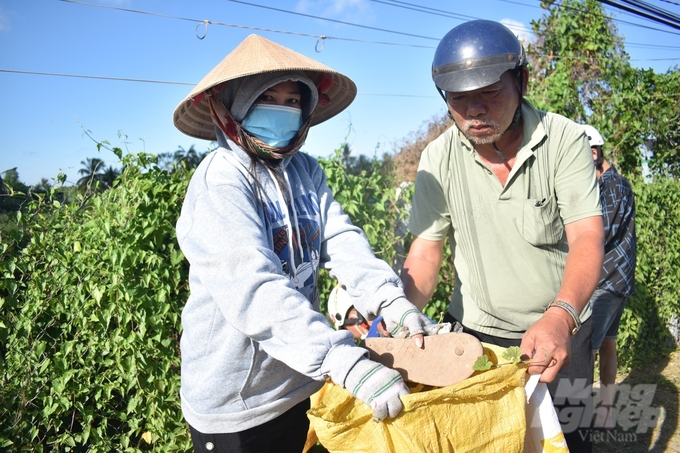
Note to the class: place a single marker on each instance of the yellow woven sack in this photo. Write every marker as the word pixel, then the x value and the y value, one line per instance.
pixel 482 414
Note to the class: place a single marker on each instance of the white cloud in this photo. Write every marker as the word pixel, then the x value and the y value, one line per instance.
pixel 522 32
pixel 4 22
pixel 333 8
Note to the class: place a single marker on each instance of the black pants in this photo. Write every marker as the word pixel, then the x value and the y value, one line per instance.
pixel 571 391
pixel 285 434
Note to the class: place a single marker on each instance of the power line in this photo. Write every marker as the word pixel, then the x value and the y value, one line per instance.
pixel 444 13
pixel 425 9
pixel 126 79
pixel 644 14
pixel 123 79
pixel 651 46
pixel 648 27
pixel 333 20
pixel 167 82
pixel 321 38
pixel 653 10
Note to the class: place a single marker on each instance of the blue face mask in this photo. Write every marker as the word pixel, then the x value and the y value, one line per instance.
pixel 275 125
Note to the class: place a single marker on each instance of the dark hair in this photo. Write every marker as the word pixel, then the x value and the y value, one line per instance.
pixel 600 157
pixel 305 98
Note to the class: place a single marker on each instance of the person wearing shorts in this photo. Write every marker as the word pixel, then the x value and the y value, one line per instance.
pixel 617 282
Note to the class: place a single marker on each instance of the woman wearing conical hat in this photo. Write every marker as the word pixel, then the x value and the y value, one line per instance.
pixel 257 224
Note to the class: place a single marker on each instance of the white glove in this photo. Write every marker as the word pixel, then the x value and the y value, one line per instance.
pixel 400 314
pixel 377 386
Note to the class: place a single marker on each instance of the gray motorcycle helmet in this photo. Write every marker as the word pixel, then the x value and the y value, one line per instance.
pixel 474 55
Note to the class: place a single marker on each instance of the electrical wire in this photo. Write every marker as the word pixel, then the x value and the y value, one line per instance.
pixel 210 22
pixel 123 79
pixel 322 38
pixel 653 10
pixel 167 82
pixel 444 13
pixel 334 20
pixel 621 21
pixel 425 9
pixel 641 14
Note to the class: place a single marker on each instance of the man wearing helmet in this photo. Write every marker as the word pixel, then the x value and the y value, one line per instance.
pixel 617 281
pixel 515 192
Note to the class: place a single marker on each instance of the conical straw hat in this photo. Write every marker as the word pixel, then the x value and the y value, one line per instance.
pixel 257 55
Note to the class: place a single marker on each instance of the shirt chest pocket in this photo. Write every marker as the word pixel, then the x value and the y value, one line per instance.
pixel 540 223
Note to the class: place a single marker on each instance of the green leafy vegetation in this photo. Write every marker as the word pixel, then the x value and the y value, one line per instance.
pixel 513 355
pixel 92 282
pixel 482 363
pixel 90 299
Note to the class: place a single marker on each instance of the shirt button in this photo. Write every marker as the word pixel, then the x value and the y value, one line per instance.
pixel 209 446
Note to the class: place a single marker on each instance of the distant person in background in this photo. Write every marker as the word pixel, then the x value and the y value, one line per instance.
pixel 618 272
pixel 257 224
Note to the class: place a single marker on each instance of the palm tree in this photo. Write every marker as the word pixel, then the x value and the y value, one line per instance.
pixel 110 175
pixel 43 186
pixel 190 157
pixel 92 172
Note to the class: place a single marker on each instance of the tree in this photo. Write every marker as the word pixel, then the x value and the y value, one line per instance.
pixel 13 192
pixel 641 118
pixel 92 172
pixel 411 147
pixel 355 165
pixel 189 159
pixel 12 183
pixel 43 186
pixel 109 176
pixel 579 68
pixel 577 55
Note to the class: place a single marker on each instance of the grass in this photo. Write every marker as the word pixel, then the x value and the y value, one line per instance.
pixel 662 371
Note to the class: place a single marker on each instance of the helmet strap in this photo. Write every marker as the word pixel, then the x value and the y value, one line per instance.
pixel 518 111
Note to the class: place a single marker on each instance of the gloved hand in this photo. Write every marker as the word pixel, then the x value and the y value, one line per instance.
pixel 377 386
pixel 400 314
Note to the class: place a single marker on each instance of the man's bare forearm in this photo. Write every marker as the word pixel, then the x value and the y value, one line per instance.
pixel 420 272
pixel 584 264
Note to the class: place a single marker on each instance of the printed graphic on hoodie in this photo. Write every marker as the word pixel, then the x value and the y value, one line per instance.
pixel 306 240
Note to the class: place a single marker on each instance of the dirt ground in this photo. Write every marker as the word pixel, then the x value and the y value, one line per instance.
pixel 660 378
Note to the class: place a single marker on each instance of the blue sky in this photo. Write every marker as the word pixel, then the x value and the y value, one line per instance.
pixel 43 117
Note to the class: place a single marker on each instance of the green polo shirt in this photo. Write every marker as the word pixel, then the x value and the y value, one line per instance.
pixel 508 243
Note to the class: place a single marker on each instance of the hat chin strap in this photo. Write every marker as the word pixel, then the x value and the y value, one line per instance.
pixel 518 112
pixel 513 125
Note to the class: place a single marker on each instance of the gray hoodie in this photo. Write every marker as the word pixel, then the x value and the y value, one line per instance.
pixel 254 343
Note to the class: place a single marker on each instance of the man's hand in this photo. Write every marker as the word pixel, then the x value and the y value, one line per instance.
pixel 547 344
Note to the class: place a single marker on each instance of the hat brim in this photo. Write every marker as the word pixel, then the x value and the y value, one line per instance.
pixel 257 55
